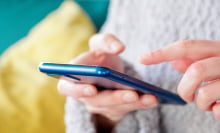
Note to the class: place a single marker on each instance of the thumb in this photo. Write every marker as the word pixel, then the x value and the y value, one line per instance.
pixel 106 43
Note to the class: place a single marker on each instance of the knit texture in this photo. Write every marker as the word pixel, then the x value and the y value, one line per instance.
pixel 146 25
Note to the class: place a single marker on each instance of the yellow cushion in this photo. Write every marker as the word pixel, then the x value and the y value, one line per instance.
pixel 29 100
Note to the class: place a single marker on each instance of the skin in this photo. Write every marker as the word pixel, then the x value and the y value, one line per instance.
pixel 113 105
pixel 199 60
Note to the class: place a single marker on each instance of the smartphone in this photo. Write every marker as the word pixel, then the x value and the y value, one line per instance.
pixel 103 76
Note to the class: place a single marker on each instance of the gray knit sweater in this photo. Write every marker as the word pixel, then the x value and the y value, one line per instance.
pixel 145 25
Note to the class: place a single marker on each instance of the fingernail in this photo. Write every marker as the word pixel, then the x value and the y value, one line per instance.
pixel 88 91
pixel 141 59
pixel 188 97
pixel 129 97
pixel 114 46
pixel 148 101
pixel 145 58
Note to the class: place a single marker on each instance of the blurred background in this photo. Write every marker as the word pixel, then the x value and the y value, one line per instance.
pixel 17 17
pixel 34 31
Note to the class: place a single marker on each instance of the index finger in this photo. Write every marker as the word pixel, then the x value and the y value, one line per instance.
pixel 190 49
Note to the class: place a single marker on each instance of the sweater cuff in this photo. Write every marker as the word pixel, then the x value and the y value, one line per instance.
pixel 146 120
pixel 77 118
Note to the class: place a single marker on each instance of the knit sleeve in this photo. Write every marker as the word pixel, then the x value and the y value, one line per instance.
pixel 78 119
pixel 140 121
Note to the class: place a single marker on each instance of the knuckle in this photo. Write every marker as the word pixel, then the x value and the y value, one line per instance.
pixel 203 94
pixel 91 103
pixel 92 109
pixel 185 43
pixel 196 70
pixel 96 104
pixel 203 99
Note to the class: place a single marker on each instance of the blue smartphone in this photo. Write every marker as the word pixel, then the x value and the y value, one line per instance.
pixel 105 76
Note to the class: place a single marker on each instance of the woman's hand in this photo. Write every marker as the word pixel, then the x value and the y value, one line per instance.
pixel 200 61
pixel 112 104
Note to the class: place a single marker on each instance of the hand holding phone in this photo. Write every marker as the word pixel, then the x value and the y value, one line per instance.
pixel 105 76
pixel 112 104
